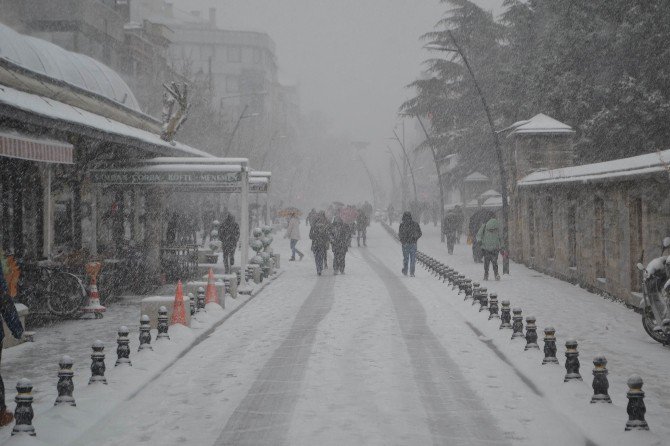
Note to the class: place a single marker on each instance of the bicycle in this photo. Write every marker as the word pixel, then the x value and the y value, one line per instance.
pixel 48 290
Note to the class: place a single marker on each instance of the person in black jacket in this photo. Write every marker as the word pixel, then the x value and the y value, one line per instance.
pixel 229 234
pixel 339 239
pixel 319 233
pixel 11 317
pixel 409 233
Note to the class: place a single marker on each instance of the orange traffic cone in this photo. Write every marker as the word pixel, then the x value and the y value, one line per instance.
pixel 94 305
pixel 178 310
pixel 210 292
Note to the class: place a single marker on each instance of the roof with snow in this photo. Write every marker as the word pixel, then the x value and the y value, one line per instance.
pixel 45 58
pixel 476 176
pixel 490 193
pixel 621 169
pixel 542 123
pixel 493 202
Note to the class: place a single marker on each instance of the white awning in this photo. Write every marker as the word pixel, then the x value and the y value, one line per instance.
pixel 18 145
pixel 16 101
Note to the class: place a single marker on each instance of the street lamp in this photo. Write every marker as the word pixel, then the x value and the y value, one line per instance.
pixel 237 124
pixel 411 171
pixel 501 163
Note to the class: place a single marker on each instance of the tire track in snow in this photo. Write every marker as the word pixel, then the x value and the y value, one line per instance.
pixel 264 415
pixel 455 414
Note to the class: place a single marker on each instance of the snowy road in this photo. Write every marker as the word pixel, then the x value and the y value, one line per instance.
pixel 370 357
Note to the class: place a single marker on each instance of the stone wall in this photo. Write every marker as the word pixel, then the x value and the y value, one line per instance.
pixel 592 234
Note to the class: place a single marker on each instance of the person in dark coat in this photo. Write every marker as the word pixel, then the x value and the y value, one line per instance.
pixel 451 226
pixel 362 223
pixel 11 318
pixel 339 240
pixel 319 233
pixel 409 233
pixel 229 234
pixel 476 221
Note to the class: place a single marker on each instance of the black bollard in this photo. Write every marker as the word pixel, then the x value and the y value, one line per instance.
pixel 483 302
pixel 145 334
pixel 97 364
pixel 531 334
pixel 571 361
pixel 162 324
pixel 201 298
pixel 468 288
pixel 517 323
pixel 493 306
pixel 600 383
pixel 549 346
pixel 636 408
pixel 23 414
pixel 505 316
pixel 123 347
pixel 65 385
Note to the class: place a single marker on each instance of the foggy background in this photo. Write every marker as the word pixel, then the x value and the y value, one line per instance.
pixel 351 60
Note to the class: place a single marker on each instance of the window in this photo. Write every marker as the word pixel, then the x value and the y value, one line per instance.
pixel 550 227
pixel 599 237
pixel 572 237
pixel 531 227
pixel 234 54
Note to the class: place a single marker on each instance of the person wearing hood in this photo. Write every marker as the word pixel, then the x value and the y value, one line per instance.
pixel 319 234
pixel 489 239
pixel 339 239
pixel 408 233
pixel 229 234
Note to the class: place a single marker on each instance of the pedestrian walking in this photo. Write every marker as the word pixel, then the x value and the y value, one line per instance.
pixel 476 221
pixel 390 213
pixel 362 223
pixel 319 234
pixel 489 238
pixel 11 318
pixel 229 234
pixel 450 228
pixel 293 234
pixel 409 233
pixel 339 240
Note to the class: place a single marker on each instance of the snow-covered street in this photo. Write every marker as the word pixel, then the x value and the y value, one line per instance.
pixel 373 357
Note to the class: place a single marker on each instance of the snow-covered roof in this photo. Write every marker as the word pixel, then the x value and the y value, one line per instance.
pixel 542 123
pixel 476 176
pixel 650 163
pixel 58 111
pixel 490 193
pixel 472 204
pixel 78 70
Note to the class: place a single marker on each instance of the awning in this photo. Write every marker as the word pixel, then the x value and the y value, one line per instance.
pixel 25 106
pixel 21 146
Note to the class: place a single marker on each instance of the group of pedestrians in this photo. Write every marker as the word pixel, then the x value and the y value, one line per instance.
pixel 332 228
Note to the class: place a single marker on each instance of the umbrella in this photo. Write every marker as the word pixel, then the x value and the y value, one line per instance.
pixel 289 212
pixel 348 215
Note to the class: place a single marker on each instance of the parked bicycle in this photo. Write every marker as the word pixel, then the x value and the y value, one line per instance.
pixel 48 290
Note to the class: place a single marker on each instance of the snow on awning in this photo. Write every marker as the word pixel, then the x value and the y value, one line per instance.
pixel 615 170
pixel 18 145
pixel 542 124
pixel 15 101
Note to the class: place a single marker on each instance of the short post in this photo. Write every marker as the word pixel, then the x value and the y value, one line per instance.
pixel 549 346
pixel 483 302
pixel 505 316
pixel 600 383
pixel 98 364
pixel 162 324
pixel 636 408
pixel 201 298
pixel 572 361
pixel 23 414
pixel 145 334
pixel 531 334
pixel 493 306
pixel 65 385
pixel 123 347
pixel 517 323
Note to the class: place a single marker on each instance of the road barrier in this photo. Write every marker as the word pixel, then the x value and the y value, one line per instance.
pixel 636 408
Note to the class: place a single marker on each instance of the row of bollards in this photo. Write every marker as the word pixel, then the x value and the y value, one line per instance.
pixel 489 302
pixel 23 414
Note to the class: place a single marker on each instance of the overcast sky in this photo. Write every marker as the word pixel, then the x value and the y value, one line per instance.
pixel 350 58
